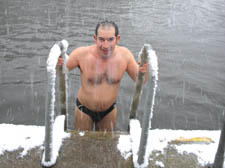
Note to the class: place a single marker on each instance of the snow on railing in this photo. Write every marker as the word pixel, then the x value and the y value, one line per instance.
pixel 54 130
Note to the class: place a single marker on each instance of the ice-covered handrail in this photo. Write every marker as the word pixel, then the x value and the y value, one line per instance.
pixel 58 49
pixel 149 102
pixel 143 56
pixel 147 54
pixel 62 74
pixel 55 52
pixel 220 154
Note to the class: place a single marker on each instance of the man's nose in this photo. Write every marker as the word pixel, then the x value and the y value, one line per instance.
pixel 106 44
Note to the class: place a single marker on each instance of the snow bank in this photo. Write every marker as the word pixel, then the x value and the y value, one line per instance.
pixel 28 137
pixel 16 137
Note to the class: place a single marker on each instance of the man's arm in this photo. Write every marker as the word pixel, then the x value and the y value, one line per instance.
pixel 133 68
pixel 72 61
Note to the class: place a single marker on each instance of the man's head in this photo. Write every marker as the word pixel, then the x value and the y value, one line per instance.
pixel 107 23
pixel 106 38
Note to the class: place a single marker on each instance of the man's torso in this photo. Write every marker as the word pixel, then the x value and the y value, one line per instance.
pixel 100 78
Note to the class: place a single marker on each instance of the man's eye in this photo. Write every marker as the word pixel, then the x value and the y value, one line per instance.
pixel 101 39
pixel 111 39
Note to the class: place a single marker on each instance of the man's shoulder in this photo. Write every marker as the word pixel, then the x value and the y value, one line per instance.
pixel 125 51
pixel 84 50
pixel 122 49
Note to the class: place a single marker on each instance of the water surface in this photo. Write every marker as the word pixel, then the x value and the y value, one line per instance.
pixel 188 37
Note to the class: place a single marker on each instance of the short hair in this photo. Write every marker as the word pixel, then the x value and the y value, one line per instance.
pixel 107 23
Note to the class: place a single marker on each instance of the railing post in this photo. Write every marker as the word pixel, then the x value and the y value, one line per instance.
pixel 49 118
pixel 220 154
pixel 146 122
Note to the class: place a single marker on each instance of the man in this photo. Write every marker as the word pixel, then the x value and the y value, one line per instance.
pixel 102 66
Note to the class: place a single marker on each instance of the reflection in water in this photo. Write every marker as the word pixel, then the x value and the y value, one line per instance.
pixel 188 37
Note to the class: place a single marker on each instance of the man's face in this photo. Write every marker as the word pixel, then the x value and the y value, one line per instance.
pixel 106 41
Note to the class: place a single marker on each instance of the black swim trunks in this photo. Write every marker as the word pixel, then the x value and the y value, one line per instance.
pixel 96 116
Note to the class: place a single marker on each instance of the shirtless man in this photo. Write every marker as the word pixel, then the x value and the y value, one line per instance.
pixel 102 66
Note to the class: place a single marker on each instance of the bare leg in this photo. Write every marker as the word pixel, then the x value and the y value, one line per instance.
pixel 108 123
pixel 82 121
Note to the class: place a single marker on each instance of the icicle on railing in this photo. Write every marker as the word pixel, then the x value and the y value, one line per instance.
pixel 220 154
pixel 54 132
pixel 151 92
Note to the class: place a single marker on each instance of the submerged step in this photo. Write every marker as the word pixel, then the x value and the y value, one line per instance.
pixel 92 149
pixel 80 150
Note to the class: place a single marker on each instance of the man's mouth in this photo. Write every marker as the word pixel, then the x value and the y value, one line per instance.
pixel 105 51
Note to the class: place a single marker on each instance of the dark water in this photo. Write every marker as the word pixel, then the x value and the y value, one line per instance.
pixel 188 36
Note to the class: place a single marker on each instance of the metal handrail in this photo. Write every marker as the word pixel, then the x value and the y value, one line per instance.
pixel 147 54
pixel 58 50
pixel 139 83
pixel 220 154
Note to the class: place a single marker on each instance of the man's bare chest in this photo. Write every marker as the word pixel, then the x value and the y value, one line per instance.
pixel 96 73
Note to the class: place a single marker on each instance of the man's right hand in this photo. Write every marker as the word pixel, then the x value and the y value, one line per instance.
pixel 60 61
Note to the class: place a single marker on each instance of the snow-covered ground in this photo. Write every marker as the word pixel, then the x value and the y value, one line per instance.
pixel 15 137
pixel 203 143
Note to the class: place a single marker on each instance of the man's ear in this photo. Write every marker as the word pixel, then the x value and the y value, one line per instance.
pixel 95 38
pixel 117 39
